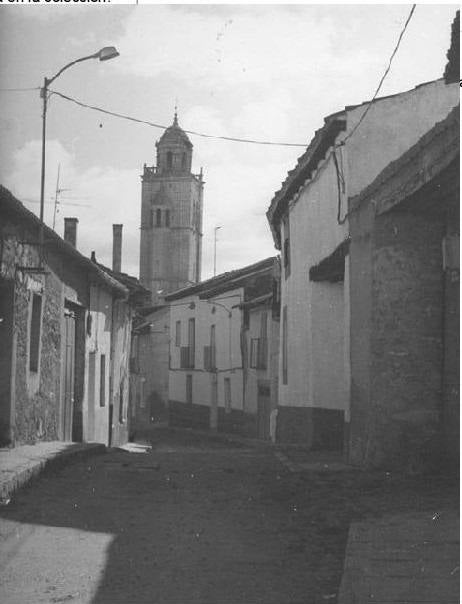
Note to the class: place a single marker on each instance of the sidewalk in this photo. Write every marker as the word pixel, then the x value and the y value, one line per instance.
pixel 20 464
pixel 404 558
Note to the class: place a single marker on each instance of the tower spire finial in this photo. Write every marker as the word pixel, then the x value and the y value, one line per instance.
pixel 175 117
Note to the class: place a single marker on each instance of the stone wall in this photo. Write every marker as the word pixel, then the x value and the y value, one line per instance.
pixel 36 393
pixel 396 398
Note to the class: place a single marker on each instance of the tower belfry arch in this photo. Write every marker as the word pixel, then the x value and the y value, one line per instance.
pixel 171 216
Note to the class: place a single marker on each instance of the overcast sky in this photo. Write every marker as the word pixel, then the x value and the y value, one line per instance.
pixel 268 72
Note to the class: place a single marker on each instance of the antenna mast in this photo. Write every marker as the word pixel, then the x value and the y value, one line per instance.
pixel 56 198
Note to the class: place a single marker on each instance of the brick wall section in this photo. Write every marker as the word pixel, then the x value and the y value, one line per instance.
pixel 396 409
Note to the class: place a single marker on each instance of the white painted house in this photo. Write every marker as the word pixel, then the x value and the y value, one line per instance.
pixel 216 351
pixel 309 221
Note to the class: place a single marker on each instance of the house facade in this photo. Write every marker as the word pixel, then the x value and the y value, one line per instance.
pixel 310 225
pixel 222 346
pixel 149 366
pixel 65 324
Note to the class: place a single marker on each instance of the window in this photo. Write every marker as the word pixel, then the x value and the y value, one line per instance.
pixel 189 389
pixel 212 345
pixel 158 218
pixel 284 345
pixel 212 340
pixel 192 341
pixel 183 161
pixel 254 346
pixel 102 381
pixel 263 347
pixel 227 395
pixel 167 218
pixel 169 160
pixel 91 379
pixel 35 329
pixel 286 249
pixel 178 333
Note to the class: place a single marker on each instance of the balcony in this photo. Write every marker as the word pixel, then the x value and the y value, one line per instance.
pixel 258 353
pixel 186 357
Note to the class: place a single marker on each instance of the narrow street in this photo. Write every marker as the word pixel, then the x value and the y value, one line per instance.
pixel 199 519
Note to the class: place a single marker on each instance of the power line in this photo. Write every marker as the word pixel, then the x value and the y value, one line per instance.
pixel 162 127
pixel 383 77
pixel 19 89
pixel 230 138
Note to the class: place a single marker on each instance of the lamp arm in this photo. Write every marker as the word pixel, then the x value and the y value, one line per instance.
pixel 93 56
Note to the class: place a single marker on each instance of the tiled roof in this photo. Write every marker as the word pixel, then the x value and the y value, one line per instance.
pixel 402 177
pixel 309 161
pixel 12 206
pixel 223 282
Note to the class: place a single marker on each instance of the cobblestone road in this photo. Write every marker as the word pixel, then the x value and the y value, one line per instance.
pixel 197 520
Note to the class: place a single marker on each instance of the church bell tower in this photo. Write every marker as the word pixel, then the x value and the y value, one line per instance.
pixel 171 217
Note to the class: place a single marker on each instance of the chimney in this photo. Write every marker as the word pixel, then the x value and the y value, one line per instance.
pixel 70 230
pixel 117 247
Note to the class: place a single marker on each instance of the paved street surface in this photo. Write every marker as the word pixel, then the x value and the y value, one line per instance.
pixel 198 519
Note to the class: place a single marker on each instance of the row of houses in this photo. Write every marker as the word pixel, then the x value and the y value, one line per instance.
pixel 346 341
pixel 65 330
pixel 349 341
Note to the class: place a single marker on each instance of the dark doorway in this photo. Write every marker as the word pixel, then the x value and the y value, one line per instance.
pixel 263 409
pixel 69 373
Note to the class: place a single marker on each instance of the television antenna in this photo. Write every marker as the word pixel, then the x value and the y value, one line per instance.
pixel 57 193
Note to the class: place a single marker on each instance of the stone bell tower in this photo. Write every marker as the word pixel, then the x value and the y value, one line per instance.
pixel 171 217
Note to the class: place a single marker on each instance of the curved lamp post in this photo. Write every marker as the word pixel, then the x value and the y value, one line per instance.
pixel 106 53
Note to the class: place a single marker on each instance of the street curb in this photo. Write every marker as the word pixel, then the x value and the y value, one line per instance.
pixel 24 476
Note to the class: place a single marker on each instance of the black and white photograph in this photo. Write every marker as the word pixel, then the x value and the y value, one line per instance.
pixel 229 303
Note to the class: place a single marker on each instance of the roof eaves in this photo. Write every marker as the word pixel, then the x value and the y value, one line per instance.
pixel 14 206
pixel 222 282
pixel 282 197
pixel 307 163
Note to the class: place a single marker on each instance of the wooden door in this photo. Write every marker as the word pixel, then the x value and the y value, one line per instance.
pixel 69 373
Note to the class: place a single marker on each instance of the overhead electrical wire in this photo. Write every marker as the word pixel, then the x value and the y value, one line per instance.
pixel 392 56
pixel 162 127
pixel 231 138
pixel 19 89
pixel 339 169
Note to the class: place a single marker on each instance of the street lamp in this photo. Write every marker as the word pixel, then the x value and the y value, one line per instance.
pixel 105 54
